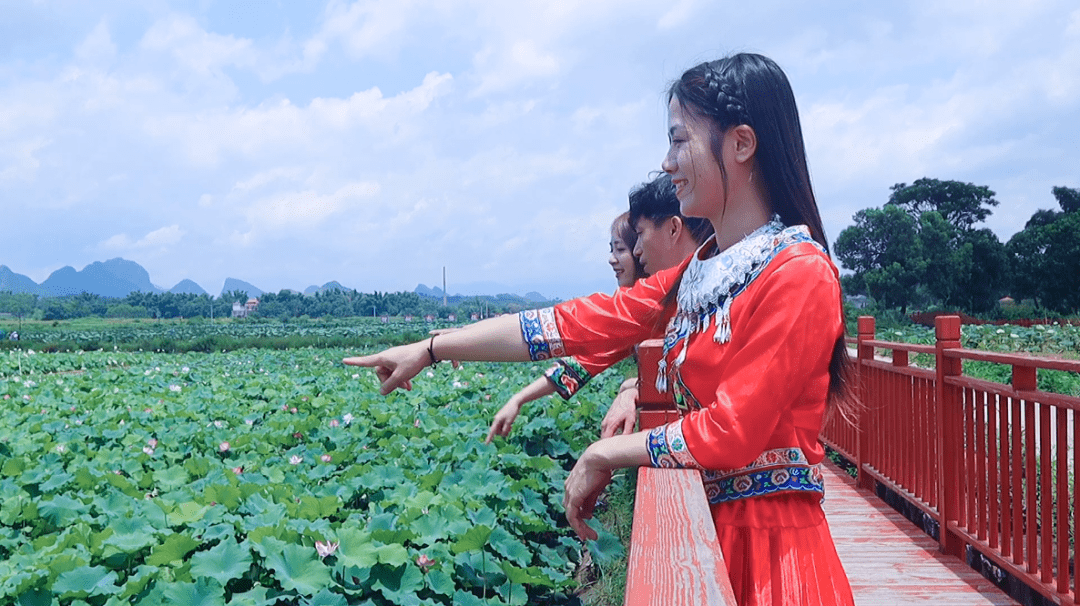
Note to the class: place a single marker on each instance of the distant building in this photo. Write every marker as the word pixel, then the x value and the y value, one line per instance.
pixel 241 310
pixel 857 301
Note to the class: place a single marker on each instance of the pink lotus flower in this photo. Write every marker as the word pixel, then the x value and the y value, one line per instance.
pixel 334 423
pixel 152 442
pixel 238 470
pixel 425 563
pixel 293 410
pixel 326 548
pixel 416 423
pixel 348 418
pixel 223 447
pixel 296 459
pixel 148 450
pixel 326 458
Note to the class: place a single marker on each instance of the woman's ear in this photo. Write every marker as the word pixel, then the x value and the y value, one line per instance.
pixel 744 139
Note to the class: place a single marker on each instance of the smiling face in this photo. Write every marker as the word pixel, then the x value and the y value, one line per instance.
pixel 622 260
pixel 698 178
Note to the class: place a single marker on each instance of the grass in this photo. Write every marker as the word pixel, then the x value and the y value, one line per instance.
pixel 606 585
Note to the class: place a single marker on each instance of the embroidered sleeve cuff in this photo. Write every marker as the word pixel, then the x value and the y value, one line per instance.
pixel 568 376
pixel 541 333
pixel 667 448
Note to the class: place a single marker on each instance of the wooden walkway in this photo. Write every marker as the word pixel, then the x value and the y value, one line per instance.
pixel 889 560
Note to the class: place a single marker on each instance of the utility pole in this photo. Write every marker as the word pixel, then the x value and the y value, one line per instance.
pixel 444 286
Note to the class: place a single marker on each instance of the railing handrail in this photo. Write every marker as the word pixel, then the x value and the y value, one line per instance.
pixel 1015 359
pixel 895 346
pixel 675 557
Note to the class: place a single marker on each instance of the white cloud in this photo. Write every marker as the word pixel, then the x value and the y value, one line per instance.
pixel 161 238
pixel 98 47
pixel 522 61
pixel 367 27
pixel 20 161
pixel 194 49
pixel 677 15
pixel 307 209
pixel 283 127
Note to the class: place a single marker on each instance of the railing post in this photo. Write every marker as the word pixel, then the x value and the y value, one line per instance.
pixel 948 407
pixel 654 408
pixel 865 354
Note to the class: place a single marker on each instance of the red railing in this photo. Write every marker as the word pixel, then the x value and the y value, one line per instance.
pixel 991 463
pixel 675 556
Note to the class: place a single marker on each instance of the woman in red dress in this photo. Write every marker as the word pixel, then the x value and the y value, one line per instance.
pixel 753 338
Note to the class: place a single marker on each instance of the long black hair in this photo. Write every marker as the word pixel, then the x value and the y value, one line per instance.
pixel 751 89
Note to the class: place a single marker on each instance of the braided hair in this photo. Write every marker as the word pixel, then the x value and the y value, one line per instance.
pixel 751 89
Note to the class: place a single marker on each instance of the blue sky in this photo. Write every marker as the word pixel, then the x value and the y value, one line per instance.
pixel 373 143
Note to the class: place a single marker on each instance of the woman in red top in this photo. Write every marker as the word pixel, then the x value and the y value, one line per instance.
pixel 753 338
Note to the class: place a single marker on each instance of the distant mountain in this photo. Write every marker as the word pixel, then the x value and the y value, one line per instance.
pixel 232 284
pixel 113 278
pixel 332 285
pixel 424 291
pixel 482 290
pixel 116 278
pixel 187 287
pixel 17 283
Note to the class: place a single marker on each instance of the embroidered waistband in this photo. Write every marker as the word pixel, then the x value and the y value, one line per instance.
pixel 775 471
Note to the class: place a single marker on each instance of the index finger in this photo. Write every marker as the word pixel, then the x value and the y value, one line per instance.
pixel 361 361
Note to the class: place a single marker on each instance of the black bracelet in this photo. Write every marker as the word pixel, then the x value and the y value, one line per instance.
pixel 431 351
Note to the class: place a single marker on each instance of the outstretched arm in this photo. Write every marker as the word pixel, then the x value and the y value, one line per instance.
pixel 494 340
pixel 504 419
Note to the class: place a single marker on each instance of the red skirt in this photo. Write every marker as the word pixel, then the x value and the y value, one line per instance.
pixel 779 552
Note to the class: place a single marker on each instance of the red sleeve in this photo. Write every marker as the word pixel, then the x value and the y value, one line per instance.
pixel 600 330
pixel 778 376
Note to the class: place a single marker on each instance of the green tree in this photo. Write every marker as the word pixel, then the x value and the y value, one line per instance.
pixel 982 270
pixel 1045 255
pixel 1067 197
pixel 883 248
pixel 960 204
pixel 20 305
pixel 924 240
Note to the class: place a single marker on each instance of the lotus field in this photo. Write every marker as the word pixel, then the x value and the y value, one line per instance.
pixel 1054 340
pixel 280 477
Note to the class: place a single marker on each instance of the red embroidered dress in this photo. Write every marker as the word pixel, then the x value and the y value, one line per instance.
pixel 746 354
